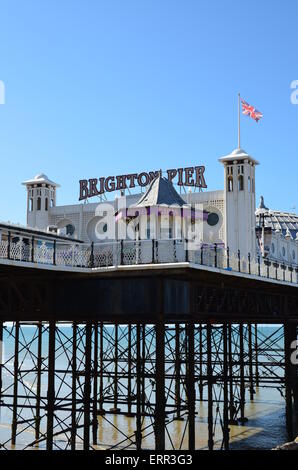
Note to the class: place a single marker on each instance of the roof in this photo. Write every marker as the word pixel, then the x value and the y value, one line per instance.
pixel 160 192
pixel 284 222
pixel 41 178
pixel 238 154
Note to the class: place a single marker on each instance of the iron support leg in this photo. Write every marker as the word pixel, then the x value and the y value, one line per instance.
pixel 191 385
pixel 210 388
pixel 95 398
pixel 138 432
pixel 51 385
pixel 250 358
pixel 74 387
pixel 87 386
pixel 15 385
pixel 160 387
pixel 225 390
pixel 38 382
pixel 242 418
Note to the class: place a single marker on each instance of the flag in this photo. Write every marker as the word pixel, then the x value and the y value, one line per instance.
pixel 249 110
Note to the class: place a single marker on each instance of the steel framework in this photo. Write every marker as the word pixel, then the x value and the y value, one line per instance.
pixel 114 386
pixel 140 359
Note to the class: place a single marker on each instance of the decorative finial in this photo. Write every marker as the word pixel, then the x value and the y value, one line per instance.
pixel 262 204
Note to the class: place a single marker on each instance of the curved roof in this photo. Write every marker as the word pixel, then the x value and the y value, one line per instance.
pixel 41 178
pixel 283 222
pixel 238 154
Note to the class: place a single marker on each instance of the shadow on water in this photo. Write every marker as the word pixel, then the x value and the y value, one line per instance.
pixel 265 428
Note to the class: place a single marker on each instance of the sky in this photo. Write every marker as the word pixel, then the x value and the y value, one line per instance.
pixel 105 87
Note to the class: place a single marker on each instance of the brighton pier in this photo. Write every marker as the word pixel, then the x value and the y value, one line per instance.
pixel 191 176
pixel 125 338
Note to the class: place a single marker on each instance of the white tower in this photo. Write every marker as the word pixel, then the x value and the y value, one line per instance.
pixel 240 202
pixel 41 196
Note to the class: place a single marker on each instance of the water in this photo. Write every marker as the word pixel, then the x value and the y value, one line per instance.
pixel 264 429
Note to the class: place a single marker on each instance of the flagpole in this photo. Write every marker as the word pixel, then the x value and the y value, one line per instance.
pixel 238 120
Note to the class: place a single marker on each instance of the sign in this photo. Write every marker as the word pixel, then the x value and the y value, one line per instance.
pixel 190 176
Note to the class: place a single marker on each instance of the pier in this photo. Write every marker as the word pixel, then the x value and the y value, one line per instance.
pixel 153 330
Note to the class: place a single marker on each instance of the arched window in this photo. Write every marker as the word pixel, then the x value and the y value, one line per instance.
pixel 240 183
pixel 230 183
pixel 52 202
pixel 46 204
pixel 39 203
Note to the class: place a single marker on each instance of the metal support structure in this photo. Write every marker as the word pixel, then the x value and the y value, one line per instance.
pixel 87 386
pixel 225 390
pixel 159 369
pixel 190 385
pixel 138 432
pixel 250 364
pixel 15 385
pixel 95 386
pixel 210 388
pixel 38 382
pixel 51 385
pixel 74 387
pixel 242 418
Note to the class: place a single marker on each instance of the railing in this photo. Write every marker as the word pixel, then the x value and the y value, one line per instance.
pixel 127 252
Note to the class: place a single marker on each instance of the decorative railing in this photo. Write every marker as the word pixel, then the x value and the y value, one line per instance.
pixel 127 252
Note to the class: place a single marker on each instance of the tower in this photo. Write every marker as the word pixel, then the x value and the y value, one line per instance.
pixel 240 202
pixel 41 196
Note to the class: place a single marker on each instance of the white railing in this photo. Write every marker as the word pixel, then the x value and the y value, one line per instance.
pixel 128 252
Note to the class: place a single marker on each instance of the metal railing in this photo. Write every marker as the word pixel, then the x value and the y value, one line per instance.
pixel 130 252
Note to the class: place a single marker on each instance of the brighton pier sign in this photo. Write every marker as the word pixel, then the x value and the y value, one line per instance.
pixel 190 176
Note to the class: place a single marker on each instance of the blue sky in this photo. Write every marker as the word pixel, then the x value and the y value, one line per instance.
pixel 97 87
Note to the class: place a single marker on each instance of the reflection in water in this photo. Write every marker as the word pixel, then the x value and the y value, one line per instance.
pixel 264 429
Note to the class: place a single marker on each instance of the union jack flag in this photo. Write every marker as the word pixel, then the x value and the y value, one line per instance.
pixel 249 110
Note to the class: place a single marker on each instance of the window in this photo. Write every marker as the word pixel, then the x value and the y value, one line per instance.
pixel 273 248
pixel 248 184
pixel 293 254
pixel 39 203
pixel 240 183
pixel 230 183
pixel 283 251
pixel 212 219
pixel 46 204
pixel 30 204
pixel 52 202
